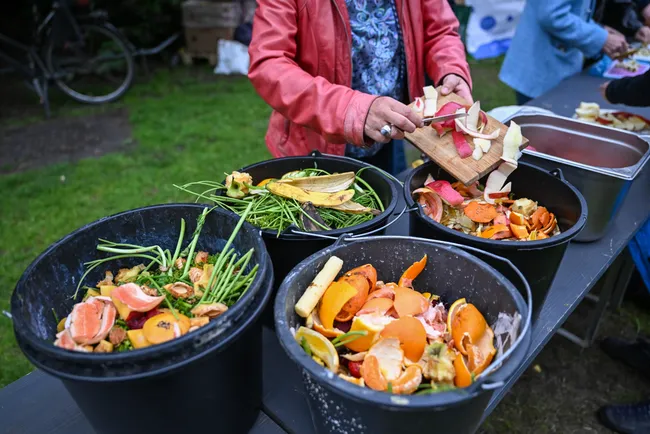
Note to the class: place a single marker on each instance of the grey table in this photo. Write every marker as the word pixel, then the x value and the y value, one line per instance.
pixel 40 404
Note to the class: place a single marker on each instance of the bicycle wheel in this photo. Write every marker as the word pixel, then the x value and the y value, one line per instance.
pixel 97 71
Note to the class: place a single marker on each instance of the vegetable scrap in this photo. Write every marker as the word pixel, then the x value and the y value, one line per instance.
pixel 591 112
pixel 489 211
pixel 471 126
pixel 309 199
pixel 125 311
pixel 390 337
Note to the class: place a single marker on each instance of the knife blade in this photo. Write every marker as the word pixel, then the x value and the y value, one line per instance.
pixel 436 119
pixel 386 130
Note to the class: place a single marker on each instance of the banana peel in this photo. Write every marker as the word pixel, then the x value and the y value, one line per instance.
pixel 322 184
pixel 326 200
pixel 355 208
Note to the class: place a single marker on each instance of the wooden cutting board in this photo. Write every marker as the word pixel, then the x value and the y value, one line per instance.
pixel 443 151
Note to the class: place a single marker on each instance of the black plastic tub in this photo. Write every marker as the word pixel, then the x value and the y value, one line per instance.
pixel 340 407
pixel 289 248
pixel 178 386
pixel 537 260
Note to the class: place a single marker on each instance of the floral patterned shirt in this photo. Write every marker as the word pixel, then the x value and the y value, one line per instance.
pixel 378 59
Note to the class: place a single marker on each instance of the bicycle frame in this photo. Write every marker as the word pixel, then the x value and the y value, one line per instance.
pixel 31 54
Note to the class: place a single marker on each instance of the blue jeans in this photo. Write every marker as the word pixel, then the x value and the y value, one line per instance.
pixel 521 98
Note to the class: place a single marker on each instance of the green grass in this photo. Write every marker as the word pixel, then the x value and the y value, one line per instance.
pixel 186 127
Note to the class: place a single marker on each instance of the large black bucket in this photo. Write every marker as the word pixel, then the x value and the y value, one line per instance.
pixel 338 406
pixel 212 374
pixel 537 260
pixel 292 246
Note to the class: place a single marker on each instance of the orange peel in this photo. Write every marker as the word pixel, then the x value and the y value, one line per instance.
pixel 412 272
pixel 467 326
pixel 373 325
pixel 463 376
pixel 409 302
pixel 379 305
pixel 406 383
pixel 411 335
pixel 352 306
pixel 367 271
pixel 335 297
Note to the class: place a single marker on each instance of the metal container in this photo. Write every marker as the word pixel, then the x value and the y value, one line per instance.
pixel 601 162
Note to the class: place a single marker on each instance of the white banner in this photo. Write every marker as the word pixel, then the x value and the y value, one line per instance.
pixel 491 26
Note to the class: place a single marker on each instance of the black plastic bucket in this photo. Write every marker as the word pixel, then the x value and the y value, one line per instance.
pixel 213 373
pixel 292 246
pixel 338 406
pixel 537 260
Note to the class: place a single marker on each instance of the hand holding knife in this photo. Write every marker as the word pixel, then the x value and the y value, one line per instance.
pixel 387 129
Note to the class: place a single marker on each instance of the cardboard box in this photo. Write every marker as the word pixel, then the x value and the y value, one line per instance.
pixel 205 40
pixel 203 14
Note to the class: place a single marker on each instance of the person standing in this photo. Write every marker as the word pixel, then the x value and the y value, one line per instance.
pixel 550 44
pixel 339 73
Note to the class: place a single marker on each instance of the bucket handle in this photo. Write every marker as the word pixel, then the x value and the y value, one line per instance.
pixel 351 236
pixel 557 172
pixel 488 385
pixel 317 153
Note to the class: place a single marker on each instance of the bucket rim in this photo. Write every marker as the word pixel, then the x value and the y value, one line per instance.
pixel 555 240
pixel 226 320
pixel 255 312
pixel 356 229
pixel 386 400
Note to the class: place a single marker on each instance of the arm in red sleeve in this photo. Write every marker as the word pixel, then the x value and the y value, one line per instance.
pixel 443 48
pixel 334 111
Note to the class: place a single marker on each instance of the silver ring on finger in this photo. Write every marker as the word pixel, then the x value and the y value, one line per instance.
pixel 386 130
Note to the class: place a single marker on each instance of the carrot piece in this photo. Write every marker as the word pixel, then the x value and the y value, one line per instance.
pixel 519 231
pixel 412 272
pixel 480 212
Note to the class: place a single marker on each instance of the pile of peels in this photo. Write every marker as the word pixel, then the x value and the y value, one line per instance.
pixel 495 215
pixel 388 336
pixel 120 314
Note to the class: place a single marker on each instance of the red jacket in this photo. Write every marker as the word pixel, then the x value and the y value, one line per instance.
pixel 301 65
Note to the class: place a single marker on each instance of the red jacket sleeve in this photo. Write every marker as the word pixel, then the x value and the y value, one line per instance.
pixel 443 49
pixel 336 112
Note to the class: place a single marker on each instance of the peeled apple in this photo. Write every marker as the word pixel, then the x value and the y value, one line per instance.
pixel 497 179
pixel 473 116
pixel 512 142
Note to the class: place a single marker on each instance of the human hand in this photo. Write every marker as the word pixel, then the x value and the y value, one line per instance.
pixel 384 111
pixel 646 14
pixel 612 31
pixel 454 83
pixel 603 90
pixel 643 35
pixel 615 45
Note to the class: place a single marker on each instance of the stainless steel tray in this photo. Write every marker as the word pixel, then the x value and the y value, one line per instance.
pixel 599 161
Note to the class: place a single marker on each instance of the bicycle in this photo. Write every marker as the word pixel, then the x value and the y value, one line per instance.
pixel 63 51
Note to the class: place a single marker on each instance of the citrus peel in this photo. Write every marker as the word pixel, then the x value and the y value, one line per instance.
pixel 335 297
pixel 411 335
pixel 412 272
